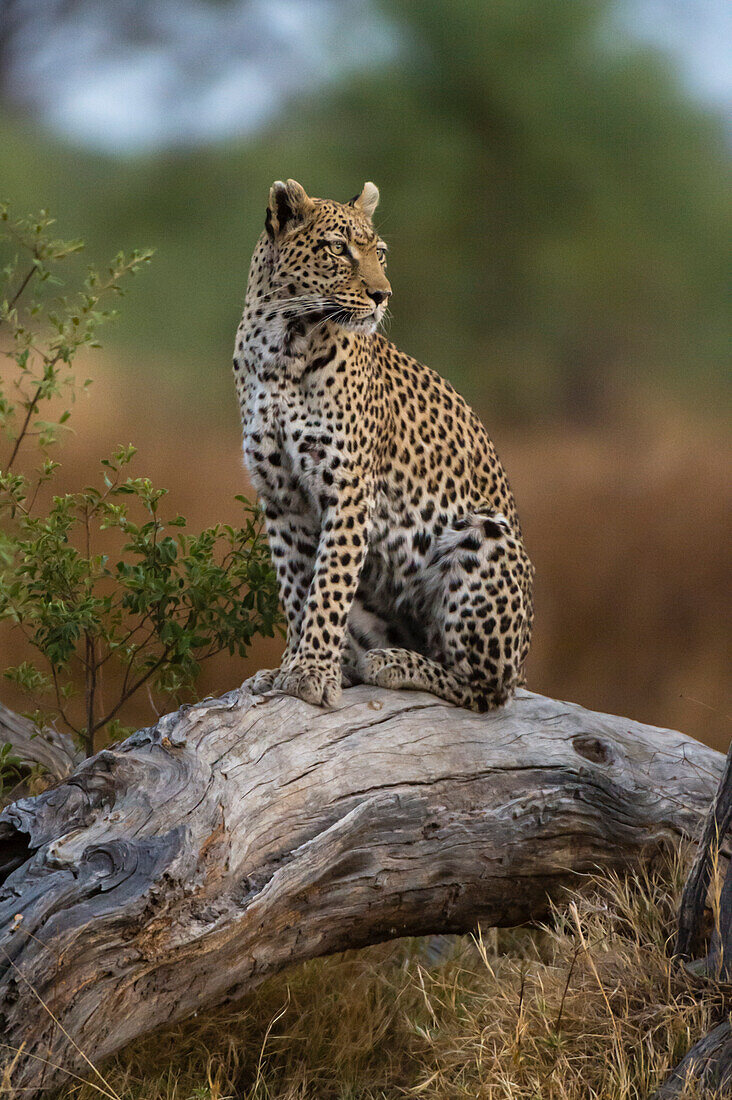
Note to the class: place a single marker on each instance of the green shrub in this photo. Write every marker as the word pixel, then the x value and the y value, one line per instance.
pixel 99 580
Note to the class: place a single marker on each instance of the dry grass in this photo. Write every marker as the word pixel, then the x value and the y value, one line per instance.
pixel 589 1007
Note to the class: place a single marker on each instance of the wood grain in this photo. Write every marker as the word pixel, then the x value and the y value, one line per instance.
pixel 183 867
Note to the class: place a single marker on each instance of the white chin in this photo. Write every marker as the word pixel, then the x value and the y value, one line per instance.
pixel 362 324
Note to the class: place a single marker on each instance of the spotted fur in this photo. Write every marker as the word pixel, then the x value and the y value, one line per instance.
pixel 391 524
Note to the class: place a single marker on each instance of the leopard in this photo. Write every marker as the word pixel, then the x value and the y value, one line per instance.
pixel 392 529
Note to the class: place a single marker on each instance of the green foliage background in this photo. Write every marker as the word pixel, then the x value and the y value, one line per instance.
pixel 557 209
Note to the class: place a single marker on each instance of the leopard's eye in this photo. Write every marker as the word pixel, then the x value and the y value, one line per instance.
pixel 381 253
pixel 338 248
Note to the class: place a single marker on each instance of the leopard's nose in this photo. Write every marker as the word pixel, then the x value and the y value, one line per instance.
pixel 377 296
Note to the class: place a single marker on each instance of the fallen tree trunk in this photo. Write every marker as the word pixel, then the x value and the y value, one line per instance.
pixel 54 751
pixel 183 867
pixel 718 963
pixel 708 1065
pixel 706 1071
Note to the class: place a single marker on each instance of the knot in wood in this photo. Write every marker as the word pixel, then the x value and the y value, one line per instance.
pixel 593 749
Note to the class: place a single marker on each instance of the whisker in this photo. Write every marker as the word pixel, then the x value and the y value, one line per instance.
pixel 298 307
pixel 282 307
pixel 278 301
pixel 323 322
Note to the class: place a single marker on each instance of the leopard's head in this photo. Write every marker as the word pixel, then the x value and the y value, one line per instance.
pixel 326 258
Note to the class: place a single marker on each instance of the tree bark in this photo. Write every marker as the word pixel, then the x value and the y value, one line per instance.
pixel 54 751
pixel 718 962
pixel 181 868
pixel 706 1071
pixel 708 1065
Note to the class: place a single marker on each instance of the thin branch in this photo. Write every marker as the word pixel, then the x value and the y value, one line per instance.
pixel 49 365
pixel 24 284
pixel 91 681
pixel 59 704
pixel 130 692
pixel 133 630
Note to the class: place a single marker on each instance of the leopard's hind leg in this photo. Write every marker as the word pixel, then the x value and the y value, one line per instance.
pixel 476 600
pixel 404 668
pixel 367 630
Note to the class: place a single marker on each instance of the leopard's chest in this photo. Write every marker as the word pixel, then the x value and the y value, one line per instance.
pixel 291 444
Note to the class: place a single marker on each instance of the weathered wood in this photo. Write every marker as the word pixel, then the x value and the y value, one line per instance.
pixel 53 750
pixel 183 867
pixel 718 963
pixel 708 1065
pixel 705 1071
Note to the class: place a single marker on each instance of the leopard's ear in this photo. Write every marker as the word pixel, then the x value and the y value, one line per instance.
pixel 289 205
pixel 367 201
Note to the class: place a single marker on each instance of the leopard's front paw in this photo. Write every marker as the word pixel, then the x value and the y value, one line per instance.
pixel 261 681
pixel 311 679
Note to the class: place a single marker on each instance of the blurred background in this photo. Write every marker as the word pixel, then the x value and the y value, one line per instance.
pixel 555 180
